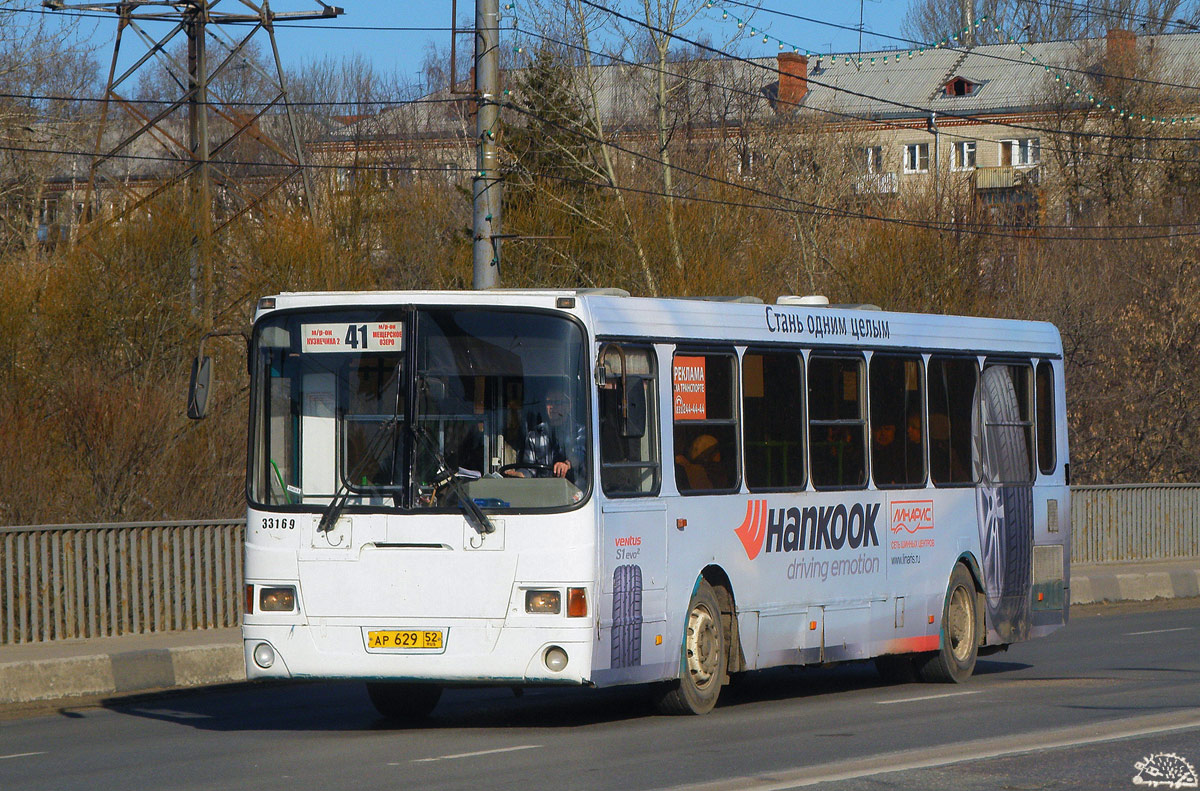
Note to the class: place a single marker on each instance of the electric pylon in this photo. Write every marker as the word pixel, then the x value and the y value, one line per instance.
pixel 243 174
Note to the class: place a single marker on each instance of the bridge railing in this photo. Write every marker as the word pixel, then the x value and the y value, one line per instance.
pixel 1132 522
pixel 102 580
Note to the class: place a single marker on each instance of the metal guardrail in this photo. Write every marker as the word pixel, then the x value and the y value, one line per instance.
pixel 103 580
pixel 1110 524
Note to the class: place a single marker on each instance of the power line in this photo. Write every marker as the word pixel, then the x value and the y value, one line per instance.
pixel 34 97
pixel 1033 234
pixel 974 51
pixel 243 163
pixel 925 111
pixel 816 208
pixel 895 125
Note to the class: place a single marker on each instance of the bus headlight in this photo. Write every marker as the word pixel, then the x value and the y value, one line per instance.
pixel 555 659
pixel 264 655
pixel 282 599
pixel 543 601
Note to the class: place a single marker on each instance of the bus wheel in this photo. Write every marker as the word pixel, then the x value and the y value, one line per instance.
pixel 954 660
pixel 704 661
pixel 403 702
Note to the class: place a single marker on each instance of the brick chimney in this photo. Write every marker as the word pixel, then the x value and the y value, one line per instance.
pixel 1120 52
pixel 793 80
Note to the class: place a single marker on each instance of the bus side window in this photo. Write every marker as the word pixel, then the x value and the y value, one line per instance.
pixel 1045 417
pixel 706 452
pixel 897 421
pixel 1008 420
pixel 952 383
pixel 629 461
pixel 772 400
pixel 837 422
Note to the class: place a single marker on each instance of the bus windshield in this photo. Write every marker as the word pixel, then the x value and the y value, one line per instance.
pixel 490 405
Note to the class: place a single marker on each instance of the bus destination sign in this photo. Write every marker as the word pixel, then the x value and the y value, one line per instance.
pixel 379 336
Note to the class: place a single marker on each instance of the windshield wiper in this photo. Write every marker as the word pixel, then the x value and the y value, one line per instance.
pixel 341 494
pixel 471 510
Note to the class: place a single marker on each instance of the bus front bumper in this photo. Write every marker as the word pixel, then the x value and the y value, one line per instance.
pixel 474 651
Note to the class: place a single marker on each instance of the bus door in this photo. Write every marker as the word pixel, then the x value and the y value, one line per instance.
pixel 633 520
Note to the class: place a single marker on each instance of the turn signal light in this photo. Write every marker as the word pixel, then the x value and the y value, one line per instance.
pixel 576 602
pixel 277 599
pixel 249 600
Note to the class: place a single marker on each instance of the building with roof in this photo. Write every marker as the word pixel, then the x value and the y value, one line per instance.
pixel 1001 120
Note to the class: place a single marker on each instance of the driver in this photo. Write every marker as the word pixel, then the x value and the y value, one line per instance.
pixel 555 446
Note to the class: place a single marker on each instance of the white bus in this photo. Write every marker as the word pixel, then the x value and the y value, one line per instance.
pixel 582 487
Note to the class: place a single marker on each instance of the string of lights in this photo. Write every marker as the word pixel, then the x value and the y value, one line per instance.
pixel 1093 99
pixel 974 51
pixel 849 117
pixel 923 111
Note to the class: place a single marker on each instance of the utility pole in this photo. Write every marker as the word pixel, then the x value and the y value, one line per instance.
pixel 485 255
pixel 201 271
pixel 243 185
pixel 968 23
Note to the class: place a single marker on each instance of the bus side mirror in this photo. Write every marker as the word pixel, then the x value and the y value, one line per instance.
pixel 197 405
pixel 633 419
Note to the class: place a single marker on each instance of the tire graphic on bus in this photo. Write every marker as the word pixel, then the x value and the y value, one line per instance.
pixel 627 616
pixel 1005 510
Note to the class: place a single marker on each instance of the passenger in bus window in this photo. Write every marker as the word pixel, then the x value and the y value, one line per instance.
pixel 914 451
pixel 555 447
pixel 702 467
pixel 884 456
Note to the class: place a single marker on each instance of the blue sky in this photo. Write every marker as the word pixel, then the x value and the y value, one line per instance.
pixel 404 50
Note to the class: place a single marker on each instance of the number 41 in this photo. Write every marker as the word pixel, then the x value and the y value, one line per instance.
pixel 352 333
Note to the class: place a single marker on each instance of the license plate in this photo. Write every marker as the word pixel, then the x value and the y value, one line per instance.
pixel 405 639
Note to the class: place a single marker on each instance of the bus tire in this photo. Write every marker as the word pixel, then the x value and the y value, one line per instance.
pixel 703 663
pixel 403 702
pixel 958 646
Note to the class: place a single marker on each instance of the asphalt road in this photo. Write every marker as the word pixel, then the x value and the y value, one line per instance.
pixel 1078 710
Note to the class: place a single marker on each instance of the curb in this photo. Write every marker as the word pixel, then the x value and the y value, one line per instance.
pixel 120 673
pixel 1090 587
pixel 34 673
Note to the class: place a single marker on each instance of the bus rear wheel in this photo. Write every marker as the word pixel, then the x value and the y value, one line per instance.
pixel 954 661
pixel 704 661
pixel 403 702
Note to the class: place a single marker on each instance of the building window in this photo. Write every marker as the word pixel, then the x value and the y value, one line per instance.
pixel 1023 153
pixel 964 155
pixel 959 87
pixel 916 158
pixel 872 157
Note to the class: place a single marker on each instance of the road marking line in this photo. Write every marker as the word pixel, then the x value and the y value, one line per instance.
pixel 1160 631
pixel 948 754
pixel 19 755
pixel 929 697
pixel 474 754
